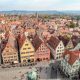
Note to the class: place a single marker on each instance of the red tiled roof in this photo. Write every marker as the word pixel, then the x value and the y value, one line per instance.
pixel 64 40
pixel 75 40
pixel 73 56
pixel 8 37
pixel 15 23
pixel 53 42
pixel 36 42
pixel 21 39
pixel 3 45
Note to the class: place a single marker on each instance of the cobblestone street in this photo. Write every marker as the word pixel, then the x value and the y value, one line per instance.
pixel 45 72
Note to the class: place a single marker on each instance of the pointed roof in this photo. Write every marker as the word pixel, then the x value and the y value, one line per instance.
pixel 36 42
pixel 73 56
pixel 6 43
pixel 64 40
pixel 9 41
pixel 53 42
pixel 75 40
pixel 21 40
pixel 3 44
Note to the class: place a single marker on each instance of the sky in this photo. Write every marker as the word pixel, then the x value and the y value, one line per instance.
pixel 39 5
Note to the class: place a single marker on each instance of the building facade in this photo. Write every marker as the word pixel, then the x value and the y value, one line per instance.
pixel 26 50
pixel 71 63
pixel 42 52
pixel 9 54
pixel 9 50
pixel 57 48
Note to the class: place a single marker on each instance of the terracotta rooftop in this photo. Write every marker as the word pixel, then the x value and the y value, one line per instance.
pixel 53 42
pixel 21 39
pixel 36 42
pixel 75 40
pixel 3 45
pixel 9 40
pixel 73 56
pixel 64 40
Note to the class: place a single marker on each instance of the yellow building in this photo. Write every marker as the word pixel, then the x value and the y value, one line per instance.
pixel 26 50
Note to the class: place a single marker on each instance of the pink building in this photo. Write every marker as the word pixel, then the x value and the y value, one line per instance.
pixel 42 52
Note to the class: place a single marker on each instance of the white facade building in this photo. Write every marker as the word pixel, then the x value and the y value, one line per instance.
pixel 57 48
pixel 70 63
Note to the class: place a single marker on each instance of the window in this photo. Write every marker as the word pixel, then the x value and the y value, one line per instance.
pixel 57 50
pixel 46 58
pixel 26 44
pixel 23 53
pixel 59 57
pixel 24 48
pixel 14 53
pixel 7 46
pixel 15 56
pixel 60 44
pixel 31 55
pixel 60 53
pixel 29 48
pixel 32 60
pixel 56 57
pixel 42 45
pixel 4 57
pixel 15 59
pixel 61 47
pixel 42 49
pixel 11 57
pixel 60 50
pixel 7 50
pixel 24 60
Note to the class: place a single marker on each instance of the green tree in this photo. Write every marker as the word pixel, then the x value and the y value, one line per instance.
pixel 72 25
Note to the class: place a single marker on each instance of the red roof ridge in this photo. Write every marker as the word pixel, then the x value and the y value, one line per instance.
pixel 73 56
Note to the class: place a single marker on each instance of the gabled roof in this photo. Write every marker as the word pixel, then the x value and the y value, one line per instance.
pixel 75 40
pixel 73 56
pixel 3 45
pixel 6 43
pixel 64 40
pixel 21 40
pixel 53 42
pixel 36 42
pixel 9 40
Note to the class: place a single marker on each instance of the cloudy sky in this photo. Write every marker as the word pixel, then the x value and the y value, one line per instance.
pixel 39 5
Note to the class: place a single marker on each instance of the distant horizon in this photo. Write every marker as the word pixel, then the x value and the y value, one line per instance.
pixel 51 12
pixel 39 10
pixel 39 5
